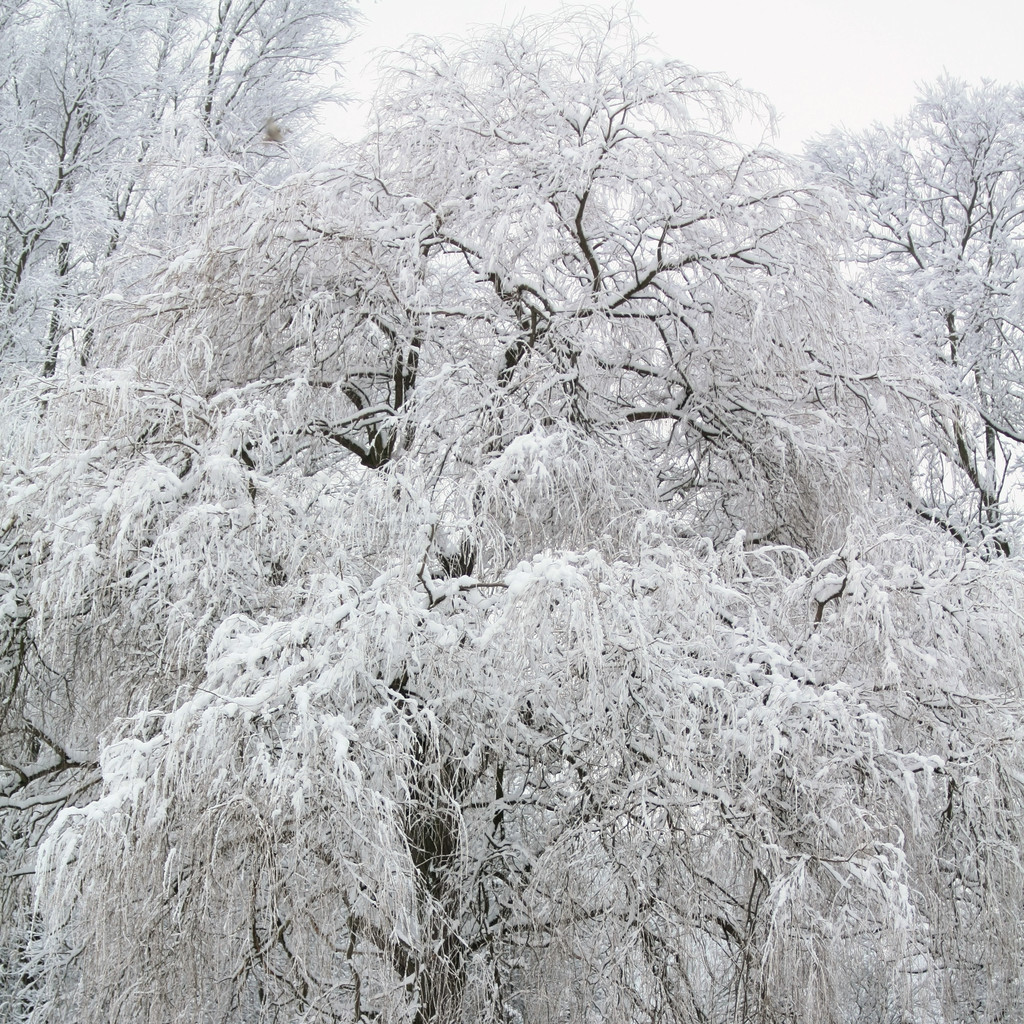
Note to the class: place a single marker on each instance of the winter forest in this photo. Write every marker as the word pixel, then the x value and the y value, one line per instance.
pixel 549 562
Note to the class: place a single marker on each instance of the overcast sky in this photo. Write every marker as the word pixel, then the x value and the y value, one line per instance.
pixel 820 62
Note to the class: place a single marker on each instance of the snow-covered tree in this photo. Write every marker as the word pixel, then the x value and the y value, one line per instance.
pixel 487 569
pixel 102 105
pixel 939 199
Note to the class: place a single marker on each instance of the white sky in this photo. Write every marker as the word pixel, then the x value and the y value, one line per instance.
pixel 820 62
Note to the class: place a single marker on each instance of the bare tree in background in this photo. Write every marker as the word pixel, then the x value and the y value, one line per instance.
pixel 101 105
pixel 939 200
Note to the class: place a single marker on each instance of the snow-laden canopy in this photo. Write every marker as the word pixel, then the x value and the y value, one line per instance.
pixel 490 567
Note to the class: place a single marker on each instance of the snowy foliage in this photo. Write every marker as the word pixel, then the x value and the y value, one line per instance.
pixel 479 582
